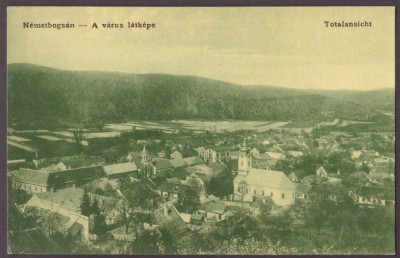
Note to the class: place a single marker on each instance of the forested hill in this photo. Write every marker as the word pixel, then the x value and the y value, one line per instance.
pixel 36 92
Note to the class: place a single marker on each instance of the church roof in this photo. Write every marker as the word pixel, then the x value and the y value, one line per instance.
pixel 266 178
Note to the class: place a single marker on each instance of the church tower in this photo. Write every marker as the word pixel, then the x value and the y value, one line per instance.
pixel 144 156
pixel 145 169
pixel 245 162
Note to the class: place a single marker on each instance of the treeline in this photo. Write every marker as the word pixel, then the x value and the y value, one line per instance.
pixel 38 93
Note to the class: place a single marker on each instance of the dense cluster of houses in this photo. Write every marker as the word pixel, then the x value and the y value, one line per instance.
pixel 57 184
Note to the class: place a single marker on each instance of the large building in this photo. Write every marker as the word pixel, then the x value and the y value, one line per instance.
pixel 252 183
pixel 49 179
pixel 216 154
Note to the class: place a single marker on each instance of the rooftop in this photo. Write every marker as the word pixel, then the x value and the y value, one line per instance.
pixel 196 160
pixel 120 168
pixel 266 178
pixel 382 193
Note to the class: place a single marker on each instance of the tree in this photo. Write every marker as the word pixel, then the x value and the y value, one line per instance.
pixel 85 204
pixel 146 242
pixel 168 242
pixel 108 190
pixel 94 208
pixel 138 193
pixel 188 198
pixel 99 227
pixel 124 216
pixel 139 218
pixel 221 185
pixel 78 138
pixel 355 180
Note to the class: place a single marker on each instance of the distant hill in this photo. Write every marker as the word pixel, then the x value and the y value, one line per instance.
pixel 37 93
pixel 382 99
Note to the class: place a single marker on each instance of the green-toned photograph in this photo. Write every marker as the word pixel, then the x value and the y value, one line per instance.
pixel 201 130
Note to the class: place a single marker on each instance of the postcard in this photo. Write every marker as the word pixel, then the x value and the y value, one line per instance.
pixel 201 130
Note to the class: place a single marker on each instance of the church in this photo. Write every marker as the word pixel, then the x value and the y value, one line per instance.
pixel 251 183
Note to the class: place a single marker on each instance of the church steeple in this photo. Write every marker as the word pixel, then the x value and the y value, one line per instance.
pixel 244 160
pixel 145 168
pixel 144 155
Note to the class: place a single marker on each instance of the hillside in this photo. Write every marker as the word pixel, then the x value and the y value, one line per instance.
pixel 41 93
pixel 382 99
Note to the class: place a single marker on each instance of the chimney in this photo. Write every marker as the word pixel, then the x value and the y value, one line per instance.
pixel 73 186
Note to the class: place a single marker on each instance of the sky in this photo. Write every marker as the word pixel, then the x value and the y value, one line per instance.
pixel 278 46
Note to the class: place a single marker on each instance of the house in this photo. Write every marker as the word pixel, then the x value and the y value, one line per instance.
pixel 217 168
pixel 233 154
pixel 44 180
pixel 383 159
pixel 174 180
pixel 81 161
pixel 313 180
pixel 111 207
pixel 161 166
pixel 70 162
pixel 265 142
pixel 216 154
pixel 168 218
pixel 212 211
pixel 162 154
pixel 204 172
pixel 322 144
pixel 295 154
pixel 303 191
pixel 65 203
pixel 195 180
pixel 254 152
pixel 321 172
pixel 102 183
pixel 251 183
pixel 179 172
pixel 356 154
pixel 381 179
pixel 371 196
pixel 178 162
pixel 267 159
pixel 274 155
pixel 168 189
pixel 176 155
pixel 193 161
pixel 292 177
pixel 200 151
pixel 196 219
pixel 176 190
pixel 120 170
